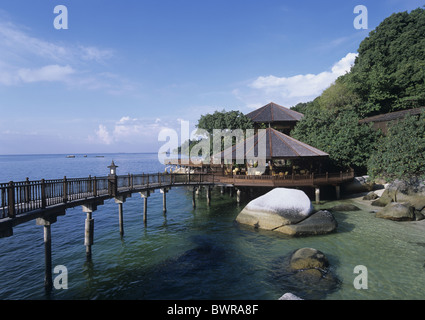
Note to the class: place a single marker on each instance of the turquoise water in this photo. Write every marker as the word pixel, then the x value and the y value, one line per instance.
pixel 195 253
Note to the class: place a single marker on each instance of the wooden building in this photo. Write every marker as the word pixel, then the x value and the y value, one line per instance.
pixel 275 116
pixel 381 121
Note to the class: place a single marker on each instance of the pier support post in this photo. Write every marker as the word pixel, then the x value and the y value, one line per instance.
pixel 208 195
pixel 48 281
pixel 231 192
pixel 120 201
pixel 164 199
pixel 222 189
pixel 238 195
pixel 89 208
pixel 145 195
pixel 338 192
pixel 317 193
pixel 195 190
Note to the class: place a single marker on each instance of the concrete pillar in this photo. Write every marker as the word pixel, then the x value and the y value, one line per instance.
pixel 317 193
pixel 88 235
pixel 120 219
pixel 222 189
pixel 145 195
pixel 338 192
pixel 120 201
pixel 238 195
pixel 89 208
pixel 46 223
pixel 48 281
pixel 164 199
pixel 208 195
pixel 195 190
pixel 231 192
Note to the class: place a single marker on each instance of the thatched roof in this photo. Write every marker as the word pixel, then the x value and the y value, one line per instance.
pixel 273 112
pixel 278 146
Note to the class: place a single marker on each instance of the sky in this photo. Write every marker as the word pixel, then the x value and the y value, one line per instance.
pixel 124 70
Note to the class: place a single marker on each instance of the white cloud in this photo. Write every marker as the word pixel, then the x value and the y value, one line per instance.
pixel 289 91
pixel 47 73
pixel 129 130
pixel 103 135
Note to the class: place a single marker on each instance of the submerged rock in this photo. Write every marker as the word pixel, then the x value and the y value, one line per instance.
pixel 371 196
pixel 345 207
pixel 308 258
pixel 305 273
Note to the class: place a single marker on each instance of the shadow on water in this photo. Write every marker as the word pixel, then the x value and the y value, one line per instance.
pixel 301 283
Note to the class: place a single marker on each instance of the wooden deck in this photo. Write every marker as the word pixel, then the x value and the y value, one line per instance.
pixel 308 180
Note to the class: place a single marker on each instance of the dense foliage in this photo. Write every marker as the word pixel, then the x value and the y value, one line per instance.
pixel 401 154
pixel 388 75
pixel 348 143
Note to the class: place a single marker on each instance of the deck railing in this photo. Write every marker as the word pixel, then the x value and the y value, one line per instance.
pixel 20 197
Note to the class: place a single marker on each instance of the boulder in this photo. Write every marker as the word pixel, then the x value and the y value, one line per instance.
pixel 308 258
pixel 321 222
pixel 397 212
pixel 345 207
pixel 289 296
pixel 276 208
pixel 358 185
pixel 371 196
pixel 385 199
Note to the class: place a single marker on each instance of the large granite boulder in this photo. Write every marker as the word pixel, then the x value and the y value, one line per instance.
pixel 288 211
pixel 397 212
pixel 276 208
pixel 308 258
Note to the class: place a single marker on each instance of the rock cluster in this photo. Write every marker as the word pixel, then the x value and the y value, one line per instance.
pixel 401 201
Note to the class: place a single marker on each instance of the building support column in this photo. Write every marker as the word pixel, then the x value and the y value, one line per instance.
pixel 208 195
pixel 238 195
pixel 194 192
pixel 317 193
pixel 338 192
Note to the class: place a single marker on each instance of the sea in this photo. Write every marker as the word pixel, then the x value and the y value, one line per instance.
pixel 197 254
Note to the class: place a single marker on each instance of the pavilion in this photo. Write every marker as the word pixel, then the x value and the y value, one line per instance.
pixel 275 116
pixel 284 155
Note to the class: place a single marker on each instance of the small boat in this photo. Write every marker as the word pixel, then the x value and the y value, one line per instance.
pixel 70 156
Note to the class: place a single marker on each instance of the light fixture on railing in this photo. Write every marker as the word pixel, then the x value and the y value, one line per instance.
pixel 112 169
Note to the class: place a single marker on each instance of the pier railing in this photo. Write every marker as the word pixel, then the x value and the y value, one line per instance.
pixel 24 196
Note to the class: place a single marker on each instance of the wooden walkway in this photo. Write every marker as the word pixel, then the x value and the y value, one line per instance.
pixel 45 200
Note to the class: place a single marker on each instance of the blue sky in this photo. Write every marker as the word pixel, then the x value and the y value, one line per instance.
pixel 124 70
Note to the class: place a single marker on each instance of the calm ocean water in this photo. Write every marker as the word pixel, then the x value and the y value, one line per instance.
pixel 194 253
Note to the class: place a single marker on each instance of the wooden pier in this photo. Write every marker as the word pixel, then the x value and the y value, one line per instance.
pixel 45 200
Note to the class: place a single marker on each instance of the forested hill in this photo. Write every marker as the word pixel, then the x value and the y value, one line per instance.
pixel 389 72
pixel 388 75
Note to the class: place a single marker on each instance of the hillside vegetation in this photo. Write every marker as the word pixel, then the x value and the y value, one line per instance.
pixel 388 75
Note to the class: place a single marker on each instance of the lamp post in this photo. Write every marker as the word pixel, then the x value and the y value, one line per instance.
pixel 112 180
